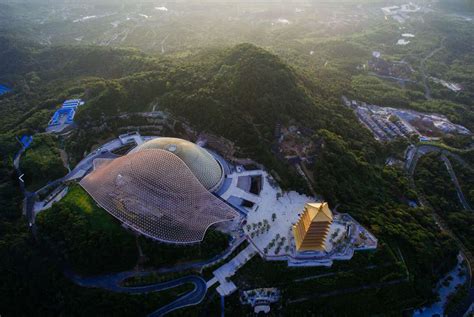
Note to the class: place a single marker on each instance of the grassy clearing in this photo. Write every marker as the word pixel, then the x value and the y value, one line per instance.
pixel 98 217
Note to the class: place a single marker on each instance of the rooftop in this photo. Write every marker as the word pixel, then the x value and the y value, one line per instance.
pixel 155 193
pixel 203 165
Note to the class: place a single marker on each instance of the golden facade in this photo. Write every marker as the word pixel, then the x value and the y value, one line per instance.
pixel 312 227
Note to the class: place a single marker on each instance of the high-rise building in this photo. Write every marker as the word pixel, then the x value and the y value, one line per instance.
pixel 312 227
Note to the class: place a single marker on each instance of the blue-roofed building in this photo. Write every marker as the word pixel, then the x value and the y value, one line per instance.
pixel 72 103
pixel 64 116
pixel 26 141
pixel 4 90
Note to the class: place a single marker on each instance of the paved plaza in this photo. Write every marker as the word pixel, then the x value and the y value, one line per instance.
pixel 271 213
pixel 269 225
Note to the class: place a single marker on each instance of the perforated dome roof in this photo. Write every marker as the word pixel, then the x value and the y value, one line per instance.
pixel 154 192
pixel 199 161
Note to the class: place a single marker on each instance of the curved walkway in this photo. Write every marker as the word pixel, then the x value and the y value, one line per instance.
pixel 111 282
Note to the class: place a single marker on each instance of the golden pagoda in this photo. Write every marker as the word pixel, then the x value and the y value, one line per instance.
pixel 312 228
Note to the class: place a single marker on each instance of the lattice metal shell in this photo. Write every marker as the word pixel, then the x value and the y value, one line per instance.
pixel 155 193
pixel 200 162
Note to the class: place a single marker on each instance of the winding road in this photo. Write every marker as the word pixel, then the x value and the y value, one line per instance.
pixel 112 282
pixel 455 181
pixel 29 200
pixel 411 162
pixel 414 153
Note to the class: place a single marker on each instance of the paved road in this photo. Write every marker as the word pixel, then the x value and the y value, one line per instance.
pixel 224 272
pixel 463 305
pixel 111 282
pixel 455 181
pixel 29 200
pixel 410 166
pixel 30 197
pixel 399 79
pixel 16 165
pixel 79 171
pixel 222 306
pixel 86 164
pixel 421 150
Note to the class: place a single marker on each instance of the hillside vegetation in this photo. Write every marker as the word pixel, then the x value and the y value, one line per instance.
pixel 41 163
pixel 242 93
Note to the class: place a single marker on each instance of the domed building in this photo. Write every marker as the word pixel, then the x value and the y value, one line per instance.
pixel 203 165
pixel 161 189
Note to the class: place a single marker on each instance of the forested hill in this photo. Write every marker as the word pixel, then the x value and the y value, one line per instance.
pixel 42 77
pixel 466 6
pixel 242 93
pixel 52 63
pixel 242 78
